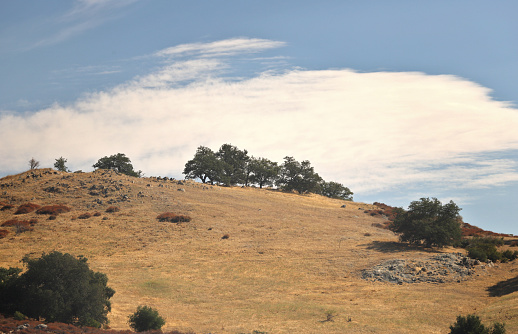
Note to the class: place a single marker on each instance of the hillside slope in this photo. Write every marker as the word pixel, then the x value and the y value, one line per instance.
pixel 285 263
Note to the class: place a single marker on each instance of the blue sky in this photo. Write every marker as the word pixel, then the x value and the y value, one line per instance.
pixel 396 99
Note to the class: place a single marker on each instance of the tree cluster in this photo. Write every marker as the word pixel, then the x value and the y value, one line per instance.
pixel 232 166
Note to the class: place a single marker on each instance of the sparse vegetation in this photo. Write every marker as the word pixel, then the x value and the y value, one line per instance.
pixel 289 257
pixel 85 215
pixel 3 233
pixel 145 319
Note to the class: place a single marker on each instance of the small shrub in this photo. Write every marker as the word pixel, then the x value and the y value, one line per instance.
pixel 173 218
pixel 97 214
pixel 19 316
pixel 53 217
pixel 112 209
pixel 7 207
pixel 145 319
pixel 14 222
pixel 226 236
pixel 3 233
pixel 26 208
pixel 22 227
pixel 53 209
pixel 33 221
pixel 85 215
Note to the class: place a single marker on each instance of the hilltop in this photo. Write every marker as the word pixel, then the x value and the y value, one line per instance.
pixel 249 259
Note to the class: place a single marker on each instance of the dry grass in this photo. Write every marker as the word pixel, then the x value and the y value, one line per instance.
pixel 290 261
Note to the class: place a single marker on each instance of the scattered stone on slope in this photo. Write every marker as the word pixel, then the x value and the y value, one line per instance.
pixel 438 269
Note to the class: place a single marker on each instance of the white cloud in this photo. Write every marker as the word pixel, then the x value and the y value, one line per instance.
pixel 370 131
pixel 226 47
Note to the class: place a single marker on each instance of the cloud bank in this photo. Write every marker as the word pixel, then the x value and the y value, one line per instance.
pixel 370 131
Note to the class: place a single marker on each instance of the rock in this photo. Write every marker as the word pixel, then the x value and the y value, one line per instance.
pixel 438 269
pixel 41 326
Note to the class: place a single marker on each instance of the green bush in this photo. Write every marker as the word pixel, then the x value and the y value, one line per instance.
pixel 57 287
pixel 485 248
pixel 471 324
pixel 19 316
pixel 145 319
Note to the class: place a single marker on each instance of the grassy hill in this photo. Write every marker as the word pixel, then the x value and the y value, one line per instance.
pixel 250 259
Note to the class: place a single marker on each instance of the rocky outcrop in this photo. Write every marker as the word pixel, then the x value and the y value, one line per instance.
pixel 438 269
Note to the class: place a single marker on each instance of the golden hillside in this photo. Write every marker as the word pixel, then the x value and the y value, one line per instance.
pixel 289 260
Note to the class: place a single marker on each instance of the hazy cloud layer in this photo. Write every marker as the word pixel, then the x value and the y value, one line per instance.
pixel 370 131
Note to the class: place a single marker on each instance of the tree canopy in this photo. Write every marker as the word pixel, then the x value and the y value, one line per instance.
pixel 429 222
pixel 262 171
pixel 298 176
pixel 336 190
pixel 118 162
pixel 205 165
pixel 57 287
pixel 234 162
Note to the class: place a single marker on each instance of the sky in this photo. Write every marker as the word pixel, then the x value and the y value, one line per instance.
pixel 397 100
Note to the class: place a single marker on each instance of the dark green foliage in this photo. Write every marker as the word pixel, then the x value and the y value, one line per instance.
pixel 263 171
pixel 336 190
pixel 145 319
pixel 485 248
pixel 232 166
pixel 59 288
pixel 8 294
pixel 471 324
pixel 205 165
pixel 234 162
pixel 60 165
pixel 298 176
pixel 118 162
pixel 19 316
pixel 429 222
